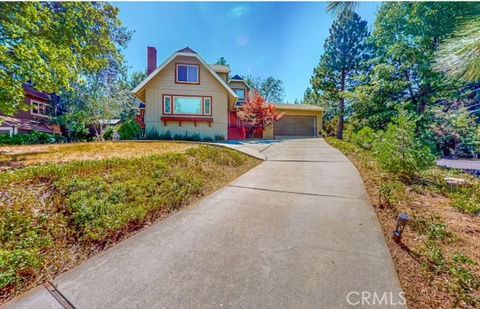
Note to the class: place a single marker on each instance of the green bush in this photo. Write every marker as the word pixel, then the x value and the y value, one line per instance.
pixel 152 134
pixel 467 200
pixel 219 137
pixel 166 135
pixel 393 192
pixel 400 152
pixel 365 138
pixel 31 139
pixel 178 137
pixel 129 130
pixel 194 137
pixel 108 134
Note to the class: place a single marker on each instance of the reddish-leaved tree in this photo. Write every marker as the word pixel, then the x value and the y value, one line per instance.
pixel 256 115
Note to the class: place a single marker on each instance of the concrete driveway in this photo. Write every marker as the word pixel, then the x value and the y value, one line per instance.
pixel 297 231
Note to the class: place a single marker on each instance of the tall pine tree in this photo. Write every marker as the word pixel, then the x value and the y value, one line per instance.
pixel 345 49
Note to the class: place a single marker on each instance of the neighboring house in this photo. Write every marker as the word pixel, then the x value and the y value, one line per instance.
pixel 36 118
pixel 187 95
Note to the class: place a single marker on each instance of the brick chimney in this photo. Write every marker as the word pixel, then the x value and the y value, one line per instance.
pixel 151 59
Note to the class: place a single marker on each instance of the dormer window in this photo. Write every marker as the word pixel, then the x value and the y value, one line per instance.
pixel 187 73
pixel 241 93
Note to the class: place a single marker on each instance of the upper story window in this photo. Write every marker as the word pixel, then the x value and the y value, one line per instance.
pixel 241 94
pixel 39 108
pixel 188 73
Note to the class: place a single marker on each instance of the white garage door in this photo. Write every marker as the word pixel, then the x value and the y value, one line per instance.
pixel 296 126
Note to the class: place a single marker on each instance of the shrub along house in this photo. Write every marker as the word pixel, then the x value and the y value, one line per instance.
pixel 185 94
pixel 35 119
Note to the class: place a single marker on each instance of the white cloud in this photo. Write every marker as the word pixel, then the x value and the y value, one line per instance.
pixel 238 11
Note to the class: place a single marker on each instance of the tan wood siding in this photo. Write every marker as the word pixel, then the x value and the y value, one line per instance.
pixel 164 84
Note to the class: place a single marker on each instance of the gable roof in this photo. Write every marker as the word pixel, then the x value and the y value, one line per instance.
pixel 238 78
pixel 29 125
pixel 30 90
pixel 188 52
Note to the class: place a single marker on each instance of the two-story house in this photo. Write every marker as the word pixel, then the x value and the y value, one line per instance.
pixel 35 118
pixel 185 94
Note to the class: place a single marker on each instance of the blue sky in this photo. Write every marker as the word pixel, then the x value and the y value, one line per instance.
pixel 283 40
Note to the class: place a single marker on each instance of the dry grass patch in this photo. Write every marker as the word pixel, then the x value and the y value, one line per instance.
pixel 53 216
pixel 438 262
pixel 21 156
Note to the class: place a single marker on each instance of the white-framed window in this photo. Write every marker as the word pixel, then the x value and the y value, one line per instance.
pixel 187 73
pixel 167 104
pixel 187 105
pixel 39 108
pixel 207 106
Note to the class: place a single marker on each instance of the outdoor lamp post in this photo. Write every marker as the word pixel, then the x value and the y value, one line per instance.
pixel 401 223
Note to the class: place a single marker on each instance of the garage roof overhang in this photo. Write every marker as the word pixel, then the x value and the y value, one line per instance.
pixel 298 107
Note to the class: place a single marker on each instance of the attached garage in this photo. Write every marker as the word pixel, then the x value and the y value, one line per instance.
pixel 295 126
pixel 299 120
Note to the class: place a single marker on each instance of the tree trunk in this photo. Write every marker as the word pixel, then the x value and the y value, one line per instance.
pixel 341 107
pixel 425 92
pixel 422 107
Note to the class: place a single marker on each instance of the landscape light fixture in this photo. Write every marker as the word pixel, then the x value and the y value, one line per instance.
pixel 401 223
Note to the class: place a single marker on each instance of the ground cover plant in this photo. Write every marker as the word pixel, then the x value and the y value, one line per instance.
pixel 53 216
pixel 31 139
pixel 438 260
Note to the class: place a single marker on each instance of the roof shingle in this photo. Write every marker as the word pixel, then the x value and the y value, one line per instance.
pixel 187 50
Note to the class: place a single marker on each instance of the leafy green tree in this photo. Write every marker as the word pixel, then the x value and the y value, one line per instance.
pixel 136 78
pixel 99 99
pixel 455 131
pixel 222 61
pixel 406 36
pixel 54 45
pixel 345 49
pixel 375 99
pixel 270 88
pixel 310 97
pixel 252 81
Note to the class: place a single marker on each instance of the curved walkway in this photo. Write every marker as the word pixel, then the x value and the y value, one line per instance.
pixel 297 231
